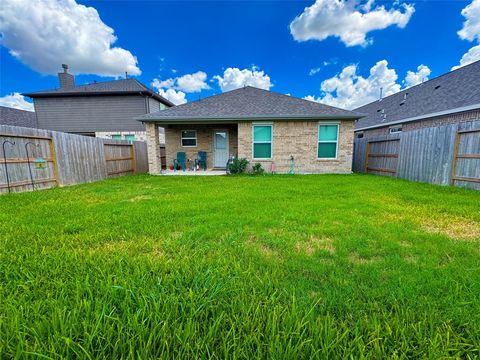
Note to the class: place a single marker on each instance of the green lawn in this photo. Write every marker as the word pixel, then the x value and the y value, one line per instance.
pixel 279 267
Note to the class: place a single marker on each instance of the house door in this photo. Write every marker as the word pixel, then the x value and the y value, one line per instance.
pixel 220 148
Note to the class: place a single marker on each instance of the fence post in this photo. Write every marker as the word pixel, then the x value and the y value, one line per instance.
pixel 134 162
pixel 367 153
pixel 455 157
pixel 53 155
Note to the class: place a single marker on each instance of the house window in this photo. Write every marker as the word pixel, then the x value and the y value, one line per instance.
pixel 262 141
pixel 189 138
pixel 116 137
pixel 327 141
pixel 130 137
pixel 360 135
pixel 395 129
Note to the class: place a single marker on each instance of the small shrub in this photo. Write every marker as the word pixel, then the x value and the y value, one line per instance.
pixel 257 169
pixel 238 166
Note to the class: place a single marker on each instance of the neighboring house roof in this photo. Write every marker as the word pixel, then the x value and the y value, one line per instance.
pixel 116 87
pixel 248 103
pixel 16 117
pixel 456 91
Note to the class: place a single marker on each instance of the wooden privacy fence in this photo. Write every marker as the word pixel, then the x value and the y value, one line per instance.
pixel 381 157
pixel 463 168
pixel 66 159
pixel 20 169
pixel 443 155
pixel 120 158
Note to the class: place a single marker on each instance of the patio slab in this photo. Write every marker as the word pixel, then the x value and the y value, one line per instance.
pixel 194 173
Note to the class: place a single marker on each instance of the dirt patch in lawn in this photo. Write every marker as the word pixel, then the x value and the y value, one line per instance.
pixel 130 248
pixel 140 198
pixel 267 251
pixel 357 259
pixel 456 228
pixel 313 244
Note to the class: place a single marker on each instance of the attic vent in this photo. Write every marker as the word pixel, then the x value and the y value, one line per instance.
pixel 437 87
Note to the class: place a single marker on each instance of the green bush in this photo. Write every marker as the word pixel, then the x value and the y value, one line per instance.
pixel 257 169
pixel 238 166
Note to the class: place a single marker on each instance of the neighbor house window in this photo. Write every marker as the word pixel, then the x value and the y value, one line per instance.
pixel 262 141
pixel 189 138
pixel 327 141
pixel 130 137
pixel 116 137
pixel 396 129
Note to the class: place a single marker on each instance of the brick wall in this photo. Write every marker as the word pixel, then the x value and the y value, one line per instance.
pixel 299 138
pixel 204 141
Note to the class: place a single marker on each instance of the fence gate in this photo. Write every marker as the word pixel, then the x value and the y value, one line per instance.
pixel 27 162
pixel 120 159
pixel 466 157
pixel 381 157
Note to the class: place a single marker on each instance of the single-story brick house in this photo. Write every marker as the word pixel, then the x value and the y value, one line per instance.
pixel 262 126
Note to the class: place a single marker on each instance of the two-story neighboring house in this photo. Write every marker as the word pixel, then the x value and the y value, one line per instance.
pixel 101 109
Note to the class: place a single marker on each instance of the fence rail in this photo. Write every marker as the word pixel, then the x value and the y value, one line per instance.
pixel 66 159
pixel 443 155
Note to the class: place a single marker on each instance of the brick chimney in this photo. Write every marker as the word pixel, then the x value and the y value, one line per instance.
pixel 67 80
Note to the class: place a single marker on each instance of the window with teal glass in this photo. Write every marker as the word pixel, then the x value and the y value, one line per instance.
pixel 130 137
pixel 327 141
pixel 262 141
pixel 116 137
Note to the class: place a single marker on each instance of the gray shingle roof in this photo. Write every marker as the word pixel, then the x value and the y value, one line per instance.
pixel 249 103
pixel 457 89
pixel 16 117
pixel 118 87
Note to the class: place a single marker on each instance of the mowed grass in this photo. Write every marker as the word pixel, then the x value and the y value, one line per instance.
pixel 280 267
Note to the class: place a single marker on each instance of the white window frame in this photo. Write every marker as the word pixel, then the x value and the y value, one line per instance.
pixel 262 142
pixel 396 129
pixel 329 141
pixel 188 138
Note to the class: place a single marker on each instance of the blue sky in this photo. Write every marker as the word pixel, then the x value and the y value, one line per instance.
pixel 220 44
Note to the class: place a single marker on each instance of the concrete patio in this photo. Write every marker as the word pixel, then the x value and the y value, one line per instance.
pixel 193 173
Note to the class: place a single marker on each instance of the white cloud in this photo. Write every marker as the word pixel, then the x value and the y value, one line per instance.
pixel 234 78
pixel 188 83
pixel 417 77
pixel 471 26
pixel 471 32
pixel 349 20
pixel 43 34
pixel 349 90
pixel 469 57
pixel 168 84
pixel 195 82
pixel 176 97
pixel 314 71
pixel 16 101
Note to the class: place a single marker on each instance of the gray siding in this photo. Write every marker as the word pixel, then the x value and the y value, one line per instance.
pixel 154 105
pixel 90 113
